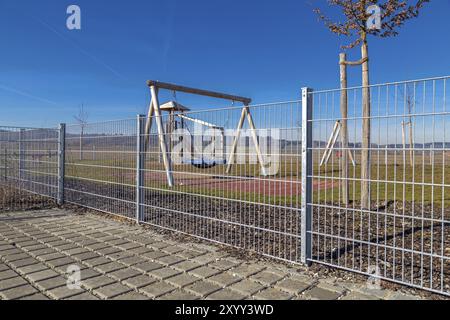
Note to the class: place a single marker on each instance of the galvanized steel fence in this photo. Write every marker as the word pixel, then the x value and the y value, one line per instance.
pixel 288 185
pixel 115 167
pixel 402 234
pixel 100 166
pixel 29 168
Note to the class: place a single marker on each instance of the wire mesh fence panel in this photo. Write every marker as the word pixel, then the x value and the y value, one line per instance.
pixel 375 188
pixel 29 168
pixel 100 166
pixel 399 228
pixel 235 175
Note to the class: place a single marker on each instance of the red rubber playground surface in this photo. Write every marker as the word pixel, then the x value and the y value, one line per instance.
pixel 263 186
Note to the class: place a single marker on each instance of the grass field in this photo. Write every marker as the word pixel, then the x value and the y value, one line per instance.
pixel 427 182
pixel 421 183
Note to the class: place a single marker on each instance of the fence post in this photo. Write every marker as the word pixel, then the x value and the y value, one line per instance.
pixel 140 160
pixel 61 162
pixel 5 155
pixel 307 102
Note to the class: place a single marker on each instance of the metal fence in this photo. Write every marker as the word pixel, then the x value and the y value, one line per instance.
pixel 115 167
pixel 289 185
pixel 235 201
pixel 100 166
pixel 402 232
pixel 29 168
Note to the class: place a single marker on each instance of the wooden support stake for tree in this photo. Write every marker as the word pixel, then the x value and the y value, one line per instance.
pixel 404 142
pixel 365 146
pixel 365 152
pixel 411 142
pixel 5 164
pixel 344 129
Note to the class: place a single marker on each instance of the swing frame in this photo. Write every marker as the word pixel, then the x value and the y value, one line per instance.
pixel 154 111
pixel 176 107
pixel 331 145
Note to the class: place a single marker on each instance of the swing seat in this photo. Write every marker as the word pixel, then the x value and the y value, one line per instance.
pixel 205 164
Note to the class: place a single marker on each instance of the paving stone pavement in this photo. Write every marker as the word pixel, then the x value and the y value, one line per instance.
pixel 41 253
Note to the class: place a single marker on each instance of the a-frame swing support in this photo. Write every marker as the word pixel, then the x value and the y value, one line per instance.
pixel 246 114
pixel 331 144
pixel 154 111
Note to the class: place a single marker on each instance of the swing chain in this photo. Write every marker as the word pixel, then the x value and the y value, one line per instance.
pixel 174 93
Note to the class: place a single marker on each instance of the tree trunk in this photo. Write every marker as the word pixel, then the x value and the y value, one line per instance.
pixel 344 128
pixel 365 152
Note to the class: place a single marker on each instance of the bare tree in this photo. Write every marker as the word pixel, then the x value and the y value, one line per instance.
pixel 410 104
pixel 357 13
pixel 82 120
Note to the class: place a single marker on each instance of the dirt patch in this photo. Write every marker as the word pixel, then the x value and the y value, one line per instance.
pixel 13 199
pixel 402 241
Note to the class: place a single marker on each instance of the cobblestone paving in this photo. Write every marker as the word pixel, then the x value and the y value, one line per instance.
pixel 39 250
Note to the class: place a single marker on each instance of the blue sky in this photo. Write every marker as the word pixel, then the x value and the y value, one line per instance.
pixel 266 50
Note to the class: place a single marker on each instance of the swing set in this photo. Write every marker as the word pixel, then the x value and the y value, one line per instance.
pixel 178 111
